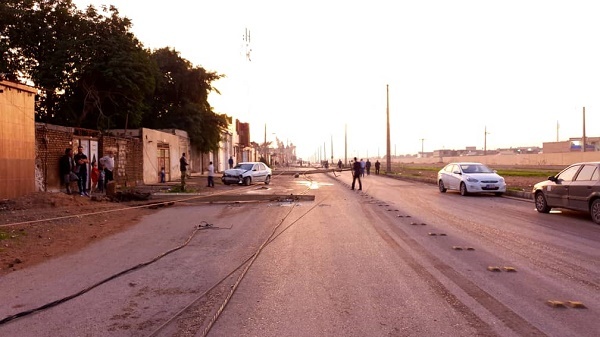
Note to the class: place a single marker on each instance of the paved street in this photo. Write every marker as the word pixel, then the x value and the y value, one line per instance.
pixel 396 259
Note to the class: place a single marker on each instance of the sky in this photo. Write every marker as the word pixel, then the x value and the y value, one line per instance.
pixel 460 73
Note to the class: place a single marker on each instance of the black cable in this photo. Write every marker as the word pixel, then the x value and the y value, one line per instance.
pixel 70 297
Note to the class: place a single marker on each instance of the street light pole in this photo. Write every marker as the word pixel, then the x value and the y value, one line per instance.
pixel 422 141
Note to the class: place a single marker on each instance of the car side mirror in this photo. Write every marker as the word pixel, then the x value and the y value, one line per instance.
pixel 552 178
pixel 456 172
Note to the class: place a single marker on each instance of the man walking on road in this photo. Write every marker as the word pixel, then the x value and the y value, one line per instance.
pixel 211 175
pixel 356 171
pixel 377 166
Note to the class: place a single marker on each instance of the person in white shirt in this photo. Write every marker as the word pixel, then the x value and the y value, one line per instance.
pixel 211 175
pixel 108 162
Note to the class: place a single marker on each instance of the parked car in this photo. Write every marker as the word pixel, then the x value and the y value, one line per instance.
pixel 577 187
pixel 470 177
pixel 246 173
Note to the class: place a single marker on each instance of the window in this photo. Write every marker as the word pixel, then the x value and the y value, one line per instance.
pixel 568 173
pixel 586 173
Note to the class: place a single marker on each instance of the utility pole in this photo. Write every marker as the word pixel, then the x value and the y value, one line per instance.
pixel 557 127
pixel 422 141
pixel 331 148
pixel 388 143
pixel 346 145
pixel 485 133
pixel 324 152
pixel 584 140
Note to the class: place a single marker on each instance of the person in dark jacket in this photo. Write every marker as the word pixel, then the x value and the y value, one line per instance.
pixel 368 167
pixel 66 165
pixel 356 171
pixel 81 164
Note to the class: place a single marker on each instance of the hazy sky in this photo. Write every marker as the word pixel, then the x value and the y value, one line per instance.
pixel 453 68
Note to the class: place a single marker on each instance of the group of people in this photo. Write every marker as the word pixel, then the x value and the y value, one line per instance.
pixel 359 168
pixel 75 168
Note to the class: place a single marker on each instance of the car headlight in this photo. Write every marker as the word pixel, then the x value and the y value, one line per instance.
pixel 501 179
pixel 472 180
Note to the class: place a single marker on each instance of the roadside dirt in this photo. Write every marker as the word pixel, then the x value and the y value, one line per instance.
pixel 71 222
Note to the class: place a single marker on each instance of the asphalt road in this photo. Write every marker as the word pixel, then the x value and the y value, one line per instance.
pixel 379 262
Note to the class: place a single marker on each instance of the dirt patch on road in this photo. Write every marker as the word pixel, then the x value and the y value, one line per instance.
pixel 70 223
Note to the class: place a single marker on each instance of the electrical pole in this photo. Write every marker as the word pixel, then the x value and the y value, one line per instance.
pixel 388 143
pixel 346 145
pixel 583 140
pixel 331 149
pixel 485 133
pixel 422 141
pixel 557 127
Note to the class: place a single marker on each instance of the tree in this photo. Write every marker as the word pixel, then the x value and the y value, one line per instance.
pixel 181 100
pixel 90 68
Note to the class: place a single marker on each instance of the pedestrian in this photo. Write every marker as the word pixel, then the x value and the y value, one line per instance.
pixel 183 164
pixel 101 178
pixel 81 163
pixel 368 167
pixel 377 166
pixel 363 166
pixel 66 167
pixel 163 174
pixel 340 164
pixel 211 175
pixel 95 176
pixel 108 162
pixel 356 168
pixel 230 162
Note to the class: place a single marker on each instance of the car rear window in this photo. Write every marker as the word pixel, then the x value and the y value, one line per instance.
pixel 587 173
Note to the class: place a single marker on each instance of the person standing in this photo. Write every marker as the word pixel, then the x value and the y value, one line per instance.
pixel 230 162
pixel 66 166
pixel 211 175
pixel 377 166
pixel 356 168
pixel 340 164
pixel 363 166
pixel 183 164
pixel 368 167
pixel 81 162
pixel 95 176
pixel 108 162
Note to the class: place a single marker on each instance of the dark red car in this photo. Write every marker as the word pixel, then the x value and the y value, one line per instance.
pixel 577 188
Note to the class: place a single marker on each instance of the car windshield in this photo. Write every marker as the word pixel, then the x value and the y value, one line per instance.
pixel 475 168
pixel 245 167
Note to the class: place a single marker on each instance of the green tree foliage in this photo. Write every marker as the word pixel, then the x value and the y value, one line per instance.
pixel 181 100
pixel 92 72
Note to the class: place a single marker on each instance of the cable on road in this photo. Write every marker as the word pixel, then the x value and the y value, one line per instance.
pixel 253 257
pixel 201 226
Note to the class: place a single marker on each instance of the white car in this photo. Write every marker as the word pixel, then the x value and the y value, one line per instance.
pixel 246 173
pixel 470 178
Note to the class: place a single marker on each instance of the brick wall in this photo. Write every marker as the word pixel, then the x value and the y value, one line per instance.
pixel 52 140
pixel 128 153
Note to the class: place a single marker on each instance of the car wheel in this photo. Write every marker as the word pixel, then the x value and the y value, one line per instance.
pixel 541 205
pixel 463 189
pixel 441 186
pixel 247 181
pixel 595 211
pixel 498 194
pixel 268 180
